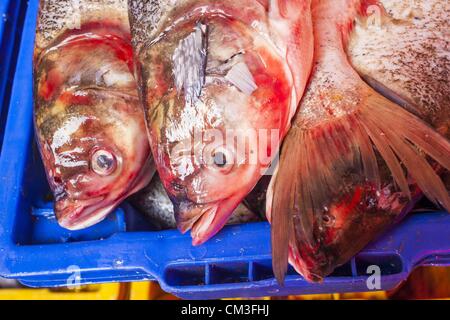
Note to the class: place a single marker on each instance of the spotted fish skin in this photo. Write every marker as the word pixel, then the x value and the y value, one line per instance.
pixel 405 47
pixel 208 70
pixel 89 122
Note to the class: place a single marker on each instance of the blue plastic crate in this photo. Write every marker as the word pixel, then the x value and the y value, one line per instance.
pixel 10 20
pixel 236 263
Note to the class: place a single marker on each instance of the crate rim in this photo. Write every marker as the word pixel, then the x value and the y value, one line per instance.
pixel 134 266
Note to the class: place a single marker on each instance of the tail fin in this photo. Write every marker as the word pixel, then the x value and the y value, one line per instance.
pixel 399 135
pixel 279 215
pixel 336 166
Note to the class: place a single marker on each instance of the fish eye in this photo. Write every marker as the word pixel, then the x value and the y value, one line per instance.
pixel 328 220
pixel 103 162
pixel 220 159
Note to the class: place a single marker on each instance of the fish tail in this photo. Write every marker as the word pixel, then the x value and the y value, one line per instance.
pixel 403 139
pixel 335 166
pixel 298 54
pixel 336 162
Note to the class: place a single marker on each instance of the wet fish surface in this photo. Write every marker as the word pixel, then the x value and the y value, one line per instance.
pixel 154 203
pixel 215 76
pixel 354 161
pixel 89 122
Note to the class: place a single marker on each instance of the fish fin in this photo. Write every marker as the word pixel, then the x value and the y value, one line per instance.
pixel 324 160
pixel 290 202
pixel 389 94
pixel 280 220
pixel 401 136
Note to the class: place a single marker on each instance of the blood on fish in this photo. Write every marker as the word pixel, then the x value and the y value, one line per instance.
pixel 102 28
pixel 120 47
pixel 49 85
pixel 347 205
pixel 87 102
pixel 365 4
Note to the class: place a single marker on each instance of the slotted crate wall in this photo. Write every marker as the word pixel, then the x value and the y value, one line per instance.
pixel 235 263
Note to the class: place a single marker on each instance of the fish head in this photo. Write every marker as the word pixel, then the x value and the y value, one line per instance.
pixel 90 127
pixel 218 97
pixel 94 158
pixel 330 238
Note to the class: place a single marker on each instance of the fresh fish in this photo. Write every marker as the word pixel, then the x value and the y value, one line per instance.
pixel 413 72
pixel 256 200
pixel 351 163
pixel 220 81
pixel 89 122
pixel 155 204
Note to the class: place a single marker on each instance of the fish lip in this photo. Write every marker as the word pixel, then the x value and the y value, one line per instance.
pixel 190 222
pixel 75 214
pixel 202 225
pixel 206 219
pixel 199 218
pixel 312 267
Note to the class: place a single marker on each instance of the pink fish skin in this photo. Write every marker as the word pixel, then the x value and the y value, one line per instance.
pixel 354 161
pixel 225 68
pixel 89 123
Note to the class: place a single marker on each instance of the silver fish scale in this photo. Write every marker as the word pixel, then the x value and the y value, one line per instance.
pixel 53 17
pixel 408 52
pixel 59 15
pixel 145 16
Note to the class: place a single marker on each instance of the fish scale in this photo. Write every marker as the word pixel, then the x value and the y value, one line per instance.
pixel 353 162
pixel 88 119
pixel 258 58
pixel 409 56
pixel 145 15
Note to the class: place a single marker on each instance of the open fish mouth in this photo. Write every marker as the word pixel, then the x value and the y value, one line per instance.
pixel 202 219
pixel 77 214
pixel 81 214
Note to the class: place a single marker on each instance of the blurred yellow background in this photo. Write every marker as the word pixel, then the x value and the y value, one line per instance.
pixel 423 283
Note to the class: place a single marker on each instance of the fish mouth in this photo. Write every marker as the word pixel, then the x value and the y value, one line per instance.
pixel 80 214
pixel 313 262
pixel 77 214
pixel 318 254
pixel 204 220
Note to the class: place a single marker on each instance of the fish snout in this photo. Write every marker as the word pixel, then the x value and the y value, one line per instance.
pixel 204 220
pixel 74 214
pixel 332 245
pixel 313 264
pixel 187 214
